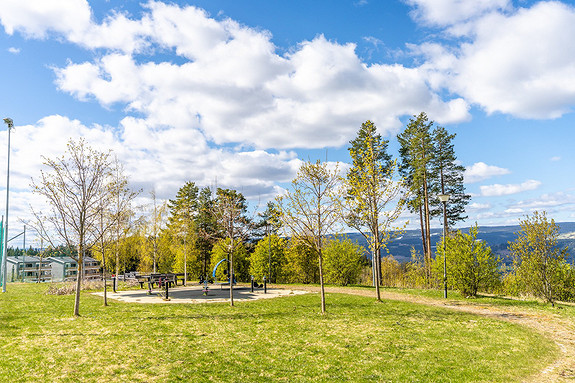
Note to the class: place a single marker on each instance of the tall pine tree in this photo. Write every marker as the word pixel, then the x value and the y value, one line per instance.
pixel 449 179
pixel 416 155
pixel 429 164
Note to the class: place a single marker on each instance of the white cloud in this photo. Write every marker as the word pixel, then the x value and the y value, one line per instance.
pixel 14 50
pixel 547 201
pixel 499 190
pixel 555 159
pixel 450 12
pixel 479 206
pixel 35 18
pixel 515 63
pixel 480 171
pixel 514 211
pixel 519 64
pixel 235 88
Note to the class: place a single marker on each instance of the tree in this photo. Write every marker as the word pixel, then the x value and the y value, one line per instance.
pixel 429 166
pixel 153 228
pixel 268 258
pixel 240 258
pixel 471 265
pixel 121 209
pixel 343 261
pixel 268 225
pixel 540 265
pixel 76 186
pixel 373 198
pixel 448 180
pixel 416 155
pixel 230 213
pixel 301 263
pixel 309 211
pixel 183 212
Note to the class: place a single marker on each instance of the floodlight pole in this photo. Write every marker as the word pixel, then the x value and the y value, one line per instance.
pixel 444 198
pixel 10 124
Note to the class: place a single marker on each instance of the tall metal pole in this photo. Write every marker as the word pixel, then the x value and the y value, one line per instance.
pixel 24 255
pixel 269 252
pixel 444 254
pixel 444 198
pixel 2 276
pixel 10 124
pixel 185 261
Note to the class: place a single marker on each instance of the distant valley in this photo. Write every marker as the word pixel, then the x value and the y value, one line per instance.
pixel 496 236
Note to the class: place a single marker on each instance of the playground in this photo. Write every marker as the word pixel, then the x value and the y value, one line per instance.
pixel 195 294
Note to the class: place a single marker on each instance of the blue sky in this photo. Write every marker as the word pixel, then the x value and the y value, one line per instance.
pixel 238 93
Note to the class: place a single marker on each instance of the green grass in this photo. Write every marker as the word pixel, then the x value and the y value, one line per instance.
pixel 284 339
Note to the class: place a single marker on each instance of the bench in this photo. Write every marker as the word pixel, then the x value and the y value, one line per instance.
pixel 180 277
pixel 158 279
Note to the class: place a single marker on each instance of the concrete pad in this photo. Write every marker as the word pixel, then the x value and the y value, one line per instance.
pixel 194 294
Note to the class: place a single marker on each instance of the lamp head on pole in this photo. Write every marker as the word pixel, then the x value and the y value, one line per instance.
pixel 443 197
pixel 8 121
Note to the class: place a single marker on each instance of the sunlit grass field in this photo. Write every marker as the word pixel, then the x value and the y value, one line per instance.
pixel 283 339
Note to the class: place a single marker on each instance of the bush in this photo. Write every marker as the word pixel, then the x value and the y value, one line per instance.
pixel 262 259
pixel 342 261
pixel 539 264
pixel 471 265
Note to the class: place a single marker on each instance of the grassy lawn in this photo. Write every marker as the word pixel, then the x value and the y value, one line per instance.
pixel 284 339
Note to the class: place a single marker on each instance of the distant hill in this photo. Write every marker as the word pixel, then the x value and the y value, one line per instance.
pixel 497 237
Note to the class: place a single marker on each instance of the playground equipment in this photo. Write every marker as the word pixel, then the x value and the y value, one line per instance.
pixel 256 285
pixel 214 273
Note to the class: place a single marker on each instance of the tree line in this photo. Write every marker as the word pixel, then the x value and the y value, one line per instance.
pixel 91 209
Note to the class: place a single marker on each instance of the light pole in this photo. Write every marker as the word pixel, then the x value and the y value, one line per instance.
pixel 10 124
pixel 444 198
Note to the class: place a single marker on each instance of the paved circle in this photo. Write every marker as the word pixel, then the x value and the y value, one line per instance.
pixel 195 294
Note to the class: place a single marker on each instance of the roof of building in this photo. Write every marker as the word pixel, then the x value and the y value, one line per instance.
pixel 66 259
pixel 25 259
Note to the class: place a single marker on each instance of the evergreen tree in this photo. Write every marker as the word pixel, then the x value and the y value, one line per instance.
pixel 449 179
pixel 429 165
pixel 416 155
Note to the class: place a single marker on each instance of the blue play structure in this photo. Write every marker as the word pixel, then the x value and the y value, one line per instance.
pixel 216 267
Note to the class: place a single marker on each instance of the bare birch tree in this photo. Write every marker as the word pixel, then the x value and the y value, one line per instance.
pixel 75 187
pixel 230 213
pixel 309 210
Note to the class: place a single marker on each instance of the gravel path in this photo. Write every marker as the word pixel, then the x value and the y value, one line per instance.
pixel 553 326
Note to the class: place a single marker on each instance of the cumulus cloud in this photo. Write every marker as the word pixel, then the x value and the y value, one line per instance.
pixel 515 62
pixel 236 88
pixel 480 171
pixel 499 190
pixel 449 12
pixel 36 18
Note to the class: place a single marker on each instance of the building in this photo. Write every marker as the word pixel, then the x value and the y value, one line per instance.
pixel 65 269
pixel 28 269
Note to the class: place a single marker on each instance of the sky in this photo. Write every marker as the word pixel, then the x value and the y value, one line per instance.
pixel 238 93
